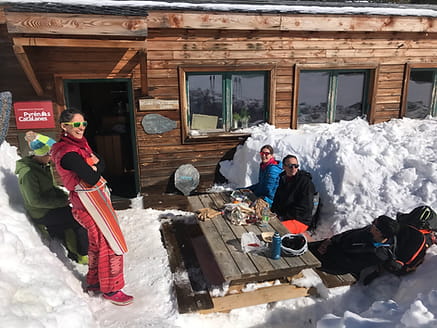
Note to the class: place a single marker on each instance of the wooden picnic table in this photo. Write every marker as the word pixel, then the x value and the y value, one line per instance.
pixel 224 242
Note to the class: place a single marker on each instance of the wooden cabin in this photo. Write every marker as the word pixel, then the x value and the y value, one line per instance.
pixel 164 85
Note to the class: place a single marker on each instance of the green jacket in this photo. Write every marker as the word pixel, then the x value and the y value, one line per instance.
pixel 38 187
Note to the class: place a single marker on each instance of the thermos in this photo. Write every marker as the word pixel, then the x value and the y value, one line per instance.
pixel 276 246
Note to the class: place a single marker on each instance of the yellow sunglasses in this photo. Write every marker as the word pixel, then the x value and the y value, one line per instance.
pixel 77 124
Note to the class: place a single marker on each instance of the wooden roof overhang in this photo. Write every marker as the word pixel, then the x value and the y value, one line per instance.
pixel 127 28
pixel 30 29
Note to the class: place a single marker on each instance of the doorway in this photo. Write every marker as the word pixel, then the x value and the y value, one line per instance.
pixel 108 108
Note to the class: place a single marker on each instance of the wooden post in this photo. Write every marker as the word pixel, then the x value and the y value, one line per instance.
pixel 143 73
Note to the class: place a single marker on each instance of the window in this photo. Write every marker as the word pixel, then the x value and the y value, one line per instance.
pixel 327 96
pixel 221 102
pixel 421 96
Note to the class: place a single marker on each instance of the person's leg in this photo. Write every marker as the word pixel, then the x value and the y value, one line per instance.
pixel 82 240
pixel 60 219
pixel 333 260
pixel 105 268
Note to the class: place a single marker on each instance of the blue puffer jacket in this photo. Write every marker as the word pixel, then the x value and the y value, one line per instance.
pixel 268 180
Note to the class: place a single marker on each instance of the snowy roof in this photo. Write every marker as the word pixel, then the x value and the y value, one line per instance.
pixel 140 8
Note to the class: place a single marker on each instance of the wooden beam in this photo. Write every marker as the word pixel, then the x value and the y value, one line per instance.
pixel 2 16
pixel 143 71
pixel 59 90
pixel 84 43
pixel 28 69
pixel 291 22
pixel 75 24
pixel 125 63
pixel 258 296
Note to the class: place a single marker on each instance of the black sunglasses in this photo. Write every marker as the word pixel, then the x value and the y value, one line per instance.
pixel 290 166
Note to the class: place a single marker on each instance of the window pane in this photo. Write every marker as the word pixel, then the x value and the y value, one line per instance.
pixel 350 90
pixel 419 93
pixel 205 96
pixel 248 98
pixel 313 97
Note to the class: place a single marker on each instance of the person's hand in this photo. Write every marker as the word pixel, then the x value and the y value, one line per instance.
pixel 323 248
pixel 94 158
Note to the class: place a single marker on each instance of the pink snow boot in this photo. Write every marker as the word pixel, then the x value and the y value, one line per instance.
pixel 119 298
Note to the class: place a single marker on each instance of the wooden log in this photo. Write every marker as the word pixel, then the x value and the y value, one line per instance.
pixel 335 280
pixel 71 24
pixel 259 296
pixel 92 43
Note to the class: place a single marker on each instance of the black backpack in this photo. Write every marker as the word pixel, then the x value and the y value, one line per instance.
pixel 424 219
pixel 410 249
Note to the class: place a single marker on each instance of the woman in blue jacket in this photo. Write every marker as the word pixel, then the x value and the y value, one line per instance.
pixel 268 177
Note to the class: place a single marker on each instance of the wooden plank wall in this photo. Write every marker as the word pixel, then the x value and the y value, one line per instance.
pixel 167 49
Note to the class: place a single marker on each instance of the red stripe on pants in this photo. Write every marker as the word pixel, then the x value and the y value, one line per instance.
pixel 104 266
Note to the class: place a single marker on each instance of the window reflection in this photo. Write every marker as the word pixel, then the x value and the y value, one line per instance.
pixel 420 88
pixel 226 100
pixel 331 96
pixel 313 97
pixel 248 103
pixel 349 96
pixel 205 101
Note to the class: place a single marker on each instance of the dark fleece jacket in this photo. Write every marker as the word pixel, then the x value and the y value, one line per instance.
pixel 294 198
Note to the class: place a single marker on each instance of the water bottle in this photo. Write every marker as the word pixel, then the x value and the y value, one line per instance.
pixel 265 217
pixel 276 246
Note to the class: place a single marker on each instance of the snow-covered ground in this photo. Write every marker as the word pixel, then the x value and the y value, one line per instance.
pixel 361 171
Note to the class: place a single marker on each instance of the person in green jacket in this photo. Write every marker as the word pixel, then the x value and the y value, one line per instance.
pixel 44 201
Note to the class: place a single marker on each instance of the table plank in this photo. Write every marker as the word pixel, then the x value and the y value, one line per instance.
pixel 306 260
pixel 232 235
pixel 221 252
pixel 224 239
pixel 233 242
pixel 222 256
pixel 262 262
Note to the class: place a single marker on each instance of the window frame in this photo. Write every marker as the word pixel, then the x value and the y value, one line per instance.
pixel 422 66
pixel 369 89
pixel 222 135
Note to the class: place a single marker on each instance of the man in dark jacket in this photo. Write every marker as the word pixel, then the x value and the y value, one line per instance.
pixel 44 201
pixel 355 250
pixel 294 198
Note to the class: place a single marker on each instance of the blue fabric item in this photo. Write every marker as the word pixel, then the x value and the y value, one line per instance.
pixel 36 144
pixel 268 180
pixel 381 245
pixel 40 141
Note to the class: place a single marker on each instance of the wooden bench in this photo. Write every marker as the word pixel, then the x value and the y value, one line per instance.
pixel 189 300
pixel 335 280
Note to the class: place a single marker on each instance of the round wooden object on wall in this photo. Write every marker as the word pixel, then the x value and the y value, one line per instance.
pixel 186 178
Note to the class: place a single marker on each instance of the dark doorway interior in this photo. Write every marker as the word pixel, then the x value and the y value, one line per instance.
pixel 107 107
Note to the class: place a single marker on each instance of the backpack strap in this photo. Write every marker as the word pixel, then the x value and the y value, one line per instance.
pixel 422 246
